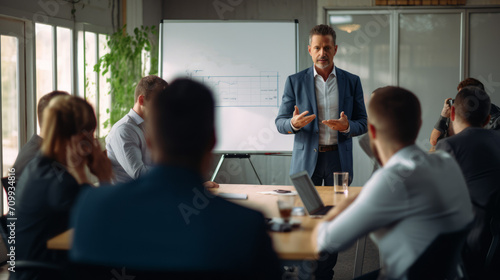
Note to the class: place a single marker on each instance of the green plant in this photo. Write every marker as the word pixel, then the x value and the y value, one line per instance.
pixel 125 63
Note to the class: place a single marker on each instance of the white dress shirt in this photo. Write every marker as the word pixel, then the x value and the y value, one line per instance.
pixel 127 149
pixel 327 100
pixel 405 205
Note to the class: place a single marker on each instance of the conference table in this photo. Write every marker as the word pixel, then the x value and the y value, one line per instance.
pixel 290 246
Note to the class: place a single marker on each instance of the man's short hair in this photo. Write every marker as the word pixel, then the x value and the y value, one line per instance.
pixel 470 82
pixel 323 29
pixel 44 101
pixel 183 121
pixel 472 105
pixel 395 112
pixel 148 86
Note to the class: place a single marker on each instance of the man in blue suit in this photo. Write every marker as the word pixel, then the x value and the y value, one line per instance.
pixel 323 140
pixel 166 220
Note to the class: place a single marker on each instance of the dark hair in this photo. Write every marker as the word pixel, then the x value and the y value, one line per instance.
pixel 323 29
pixel 396 113
pixel 148 86
pixel 44 101
pixel 182 117
pixel 470 82
pixel 472 105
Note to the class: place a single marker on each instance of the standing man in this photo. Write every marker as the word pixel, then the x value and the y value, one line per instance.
pixel 323 144
pixel 126 142
pixel 323 139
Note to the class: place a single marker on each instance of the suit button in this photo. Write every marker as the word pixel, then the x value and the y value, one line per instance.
pixel 315 150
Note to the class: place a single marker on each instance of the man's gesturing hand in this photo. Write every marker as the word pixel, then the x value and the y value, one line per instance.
pixel 301 120
pixel 341 124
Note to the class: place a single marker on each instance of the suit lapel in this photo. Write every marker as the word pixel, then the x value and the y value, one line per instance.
pixel 311 90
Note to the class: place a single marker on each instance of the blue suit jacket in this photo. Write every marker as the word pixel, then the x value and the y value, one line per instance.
pixel 300 91
pixel 167 221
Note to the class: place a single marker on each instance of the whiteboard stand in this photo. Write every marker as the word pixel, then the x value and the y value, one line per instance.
pixel 240 156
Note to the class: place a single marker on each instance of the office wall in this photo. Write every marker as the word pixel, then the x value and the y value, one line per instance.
pixel 303 10
pixel 96 12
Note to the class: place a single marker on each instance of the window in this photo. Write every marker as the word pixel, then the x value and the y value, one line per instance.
pixel 96 86
pixel 54 67
pixel 54 60
pixel 9 60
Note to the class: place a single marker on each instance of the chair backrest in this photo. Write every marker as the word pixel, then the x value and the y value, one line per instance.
pixel 495 216
pixel 495 233
pixel 441 258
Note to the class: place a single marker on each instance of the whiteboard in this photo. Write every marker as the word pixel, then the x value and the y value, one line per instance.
pixel 246 64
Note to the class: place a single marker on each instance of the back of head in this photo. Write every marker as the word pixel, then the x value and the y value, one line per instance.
pixel 470 82
pixel 182 122
pixel 64 117
pixel 44 101
pixel 149 86
pixel 472 106
pixel 395 112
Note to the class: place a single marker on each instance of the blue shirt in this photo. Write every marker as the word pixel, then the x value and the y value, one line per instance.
pixel 127 149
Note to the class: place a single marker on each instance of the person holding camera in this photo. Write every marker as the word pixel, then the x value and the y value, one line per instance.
pixel 443 127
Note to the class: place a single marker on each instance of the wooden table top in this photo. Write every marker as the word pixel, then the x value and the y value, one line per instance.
pixel 295 245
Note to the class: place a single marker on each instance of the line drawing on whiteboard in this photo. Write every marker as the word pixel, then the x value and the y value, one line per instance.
pixel 243 91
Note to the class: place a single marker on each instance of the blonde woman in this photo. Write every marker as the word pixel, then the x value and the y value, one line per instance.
pixel 53 179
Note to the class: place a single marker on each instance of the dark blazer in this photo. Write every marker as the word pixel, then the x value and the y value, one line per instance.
pixel 300 91
pixel 167 221
pixel 27 153
pixel 477 151
pixel 44 197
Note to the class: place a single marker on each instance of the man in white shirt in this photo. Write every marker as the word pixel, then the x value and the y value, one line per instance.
pixel 126 143
pixel 407 203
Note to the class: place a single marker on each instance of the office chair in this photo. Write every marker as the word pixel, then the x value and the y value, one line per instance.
pixel 45 269
pixel 495 232
pixel 442 259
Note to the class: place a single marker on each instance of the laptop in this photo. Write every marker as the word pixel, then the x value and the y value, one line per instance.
pixel 309 195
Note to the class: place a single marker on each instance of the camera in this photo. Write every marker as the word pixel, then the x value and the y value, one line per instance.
pixel 450 102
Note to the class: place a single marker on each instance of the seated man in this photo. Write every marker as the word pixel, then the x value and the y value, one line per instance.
pixel 406 204
pixel 31 148
pixel 126 142
pixel 443 129
pixel 477 151
pixel 166 220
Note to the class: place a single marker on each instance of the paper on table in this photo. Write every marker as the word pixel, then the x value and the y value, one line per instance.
pixel 242 196
pixel 276 193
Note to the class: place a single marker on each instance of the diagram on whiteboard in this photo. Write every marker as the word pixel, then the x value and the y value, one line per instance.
pixel 243 91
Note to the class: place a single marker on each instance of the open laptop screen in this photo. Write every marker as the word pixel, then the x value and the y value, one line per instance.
pixel 307 192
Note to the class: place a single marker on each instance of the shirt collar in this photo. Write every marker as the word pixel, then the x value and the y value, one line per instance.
pixel 135 117
pixel 406 155
pixel 334 72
